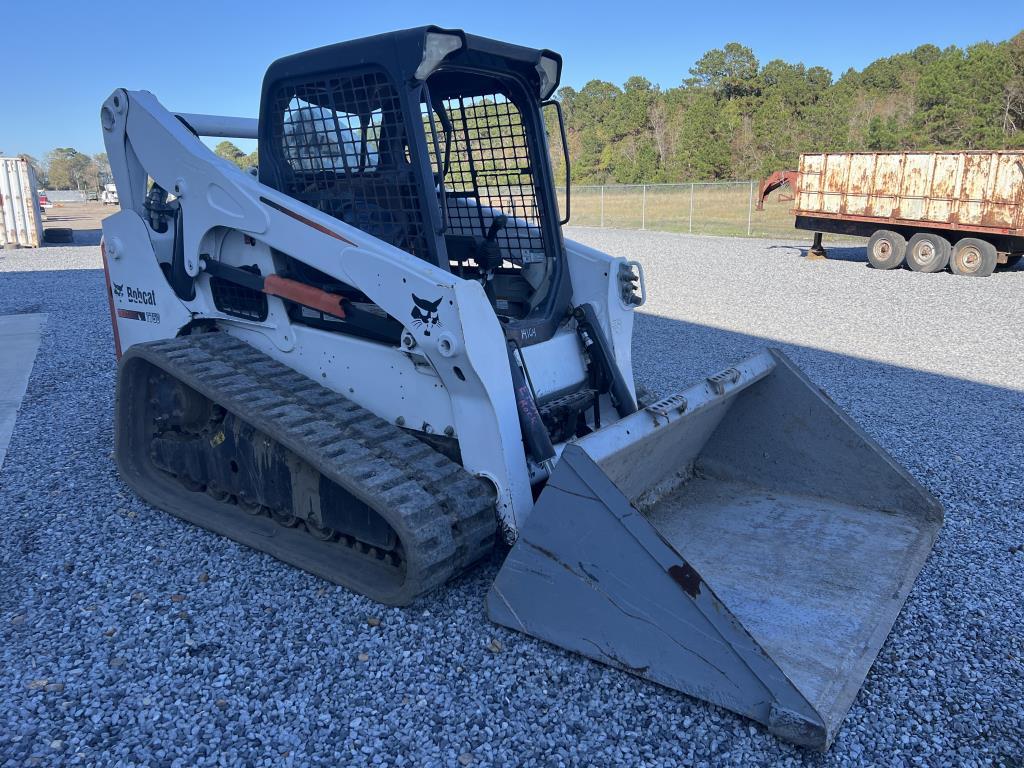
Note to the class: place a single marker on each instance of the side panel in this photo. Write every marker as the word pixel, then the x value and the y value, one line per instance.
pixel 887 184
pixel 836 179
pixel 595 280
pixel 977 172
pixel 862 171
pixel 398 386
pixel 945 178
pixel 144 306
pixel 809 183
pixel 916 181
pixel 1006 198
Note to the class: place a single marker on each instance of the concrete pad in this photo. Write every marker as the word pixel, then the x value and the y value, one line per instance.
pixel 19 343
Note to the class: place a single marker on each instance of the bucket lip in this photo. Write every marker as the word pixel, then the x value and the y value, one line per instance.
pixel 688 404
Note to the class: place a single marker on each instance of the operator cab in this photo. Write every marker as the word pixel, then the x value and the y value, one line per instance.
pixel 431 140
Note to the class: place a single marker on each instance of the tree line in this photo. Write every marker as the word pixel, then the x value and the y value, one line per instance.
pixel 734 118
pixel 67 168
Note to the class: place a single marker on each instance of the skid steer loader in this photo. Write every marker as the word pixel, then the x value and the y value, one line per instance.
pixel 376 355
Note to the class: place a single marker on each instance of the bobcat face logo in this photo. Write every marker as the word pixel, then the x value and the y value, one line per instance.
pixel 425 313
pixel 118 289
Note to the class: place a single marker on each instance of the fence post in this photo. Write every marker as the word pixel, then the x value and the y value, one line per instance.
pixel 602 205
pixel 750 206
pixel 643 210
pixel 691 209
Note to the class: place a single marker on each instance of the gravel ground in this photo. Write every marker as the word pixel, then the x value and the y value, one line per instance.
pixel 129 637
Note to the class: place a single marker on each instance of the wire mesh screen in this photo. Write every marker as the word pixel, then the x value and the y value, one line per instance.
pixel 345 149
pixel 238 301
pixel 490 173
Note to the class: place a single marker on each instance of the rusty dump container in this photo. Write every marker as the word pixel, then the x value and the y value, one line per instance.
pixel 977 191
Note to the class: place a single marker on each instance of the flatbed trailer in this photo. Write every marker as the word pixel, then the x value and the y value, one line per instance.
pixel 929 210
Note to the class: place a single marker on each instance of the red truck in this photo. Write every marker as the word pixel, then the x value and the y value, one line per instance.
pixel 930 210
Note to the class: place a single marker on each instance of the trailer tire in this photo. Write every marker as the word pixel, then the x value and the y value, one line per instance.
pixel 973 258
pixel 886 249
pixel 928 253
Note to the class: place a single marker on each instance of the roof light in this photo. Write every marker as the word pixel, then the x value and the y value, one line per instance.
pixel 547 68
pixel 435 48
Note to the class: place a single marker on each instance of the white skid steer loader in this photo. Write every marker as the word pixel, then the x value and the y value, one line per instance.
pixel 377 356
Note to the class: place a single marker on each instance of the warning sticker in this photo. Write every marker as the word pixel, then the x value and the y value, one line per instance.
pixel 134 314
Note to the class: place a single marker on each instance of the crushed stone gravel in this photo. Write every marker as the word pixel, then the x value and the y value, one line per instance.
pixel 130 638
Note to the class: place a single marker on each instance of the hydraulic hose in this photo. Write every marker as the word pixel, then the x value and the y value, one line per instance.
pixel 535 434
pixel 596 343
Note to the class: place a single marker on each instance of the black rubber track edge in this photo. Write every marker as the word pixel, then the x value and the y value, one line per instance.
pixel 443 515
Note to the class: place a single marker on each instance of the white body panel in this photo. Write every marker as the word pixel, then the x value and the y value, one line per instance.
pixel 454 379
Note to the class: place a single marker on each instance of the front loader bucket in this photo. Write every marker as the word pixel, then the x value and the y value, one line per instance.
pixel 743 542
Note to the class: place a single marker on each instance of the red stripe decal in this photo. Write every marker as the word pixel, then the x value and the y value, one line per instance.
pixel 307 222
pixel 110 300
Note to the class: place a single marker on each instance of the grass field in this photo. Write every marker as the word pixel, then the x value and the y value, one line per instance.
pixel 706 209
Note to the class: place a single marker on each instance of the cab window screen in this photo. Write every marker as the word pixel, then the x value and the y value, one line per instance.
pixel 490 172
pixel 343 147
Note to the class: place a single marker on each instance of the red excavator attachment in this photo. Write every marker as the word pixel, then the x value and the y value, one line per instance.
pixel 775 181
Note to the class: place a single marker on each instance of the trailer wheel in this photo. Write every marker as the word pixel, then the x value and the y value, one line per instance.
pixel 973 257
pixel 928 253
pixel 886 249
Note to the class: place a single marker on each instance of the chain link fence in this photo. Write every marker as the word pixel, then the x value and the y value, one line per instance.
pixel 705 208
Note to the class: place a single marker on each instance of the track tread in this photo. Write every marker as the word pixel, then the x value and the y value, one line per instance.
pixel 444 515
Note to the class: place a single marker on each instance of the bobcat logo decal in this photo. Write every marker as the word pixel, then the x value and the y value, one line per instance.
pixel 118 289
pixel 425 313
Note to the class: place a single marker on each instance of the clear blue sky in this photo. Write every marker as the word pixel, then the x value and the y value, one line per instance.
pixel 62 58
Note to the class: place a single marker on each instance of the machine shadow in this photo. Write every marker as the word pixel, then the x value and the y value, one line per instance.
pixel 88 236
pixel 835 252
pixel 670 354
pixel 79 237
pixel 858 254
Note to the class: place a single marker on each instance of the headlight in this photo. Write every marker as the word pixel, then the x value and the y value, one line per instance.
pixel 437 46
pixel 547 68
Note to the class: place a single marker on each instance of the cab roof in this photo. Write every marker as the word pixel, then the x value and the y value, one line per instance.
pixel 402 52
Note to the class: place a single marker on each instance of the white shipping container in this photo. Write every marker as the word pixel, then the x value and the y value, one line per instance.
pixel 21 221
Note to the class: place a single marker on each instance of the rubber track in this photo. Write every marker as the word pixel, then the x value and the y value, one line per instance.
pixel 444 515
